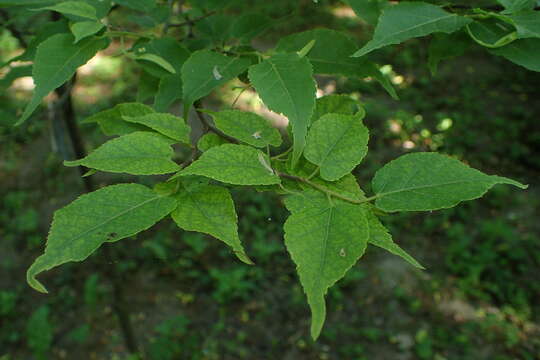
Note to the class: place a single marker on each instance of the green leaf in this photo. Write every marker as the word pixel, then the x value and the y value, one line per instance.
pixel 145 6
pixel 249 26
pixel 430 181
pixel 147 87
pixel 84 29
pixel 491 33
pixel 161 57
pixel 14 73
pixel 247 127
pixel 158 60
pixel 205 70
pixel 325 239
pixel 446 46
pixel 234 164
pixel 216 28
pixel 368 10
pixel 409 20
pixel 337 104
pixel 209 140
pixel 522 52
pixel 169 90
pixel 337 143
pixel 42 33
pixel 210 209
pixel 527 24
pixel 166 124
pixel 138 153
pixel 285 84
pixel 57 59
pixel 338 60
pixel 75 8
pixel 379 236
pixel 513 6
pixel 112 123
pixel 81 227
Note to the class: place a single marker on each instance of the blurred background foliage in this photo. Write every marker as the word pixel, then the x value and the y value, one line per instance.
pixel 188 296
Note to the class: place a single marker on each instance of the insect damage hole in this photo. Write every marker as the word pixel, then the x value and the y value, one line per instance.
pixel 215 72
pixel 342 252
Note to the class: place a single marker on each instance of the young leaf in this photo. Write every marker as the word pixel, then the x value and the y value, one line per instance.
pixel 379 236
pixel 337 143
pixel 84 29
pixel 209 140
pixel 234 164
pixel 166 124
pixel 325 239
pixel 210 209
pixel 527 24
pixel 247 127
pixel 81 227
pixel 111 121
pixel 409 20
pixel 337 104
pixel 522 52
pixel 285 84
pixel 430 181
pixel 57 59
pixel 338 60
pixel 138 153
pixel 205 70
pixel 75 8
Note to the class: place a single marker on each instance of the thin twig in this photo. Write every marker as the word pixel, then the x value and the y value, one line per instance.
pixel 193 21
pixel 197 105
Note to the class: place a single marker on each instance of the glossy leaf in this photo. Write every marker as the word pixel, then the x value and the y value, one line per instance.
pixel 138 153
pixel 430 181
pixel 325 239
pixel 409 20
pixel 166 124
pixel 57 59
pixel 205 70
pixel 234 164
pixel 379 236
pixel 112 120
pixel 285 84
pixel 81 227
pixel 523 52
pixel 210 209
pixel 337 143
pixel 247 127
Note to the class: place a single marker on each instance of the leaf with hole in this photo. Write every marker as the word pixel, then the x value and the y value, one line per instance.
pixel 325 239
pixel 81 227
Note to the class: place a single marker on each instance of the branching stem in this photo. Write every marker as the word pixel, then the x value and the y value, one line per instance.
pixel 325 190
